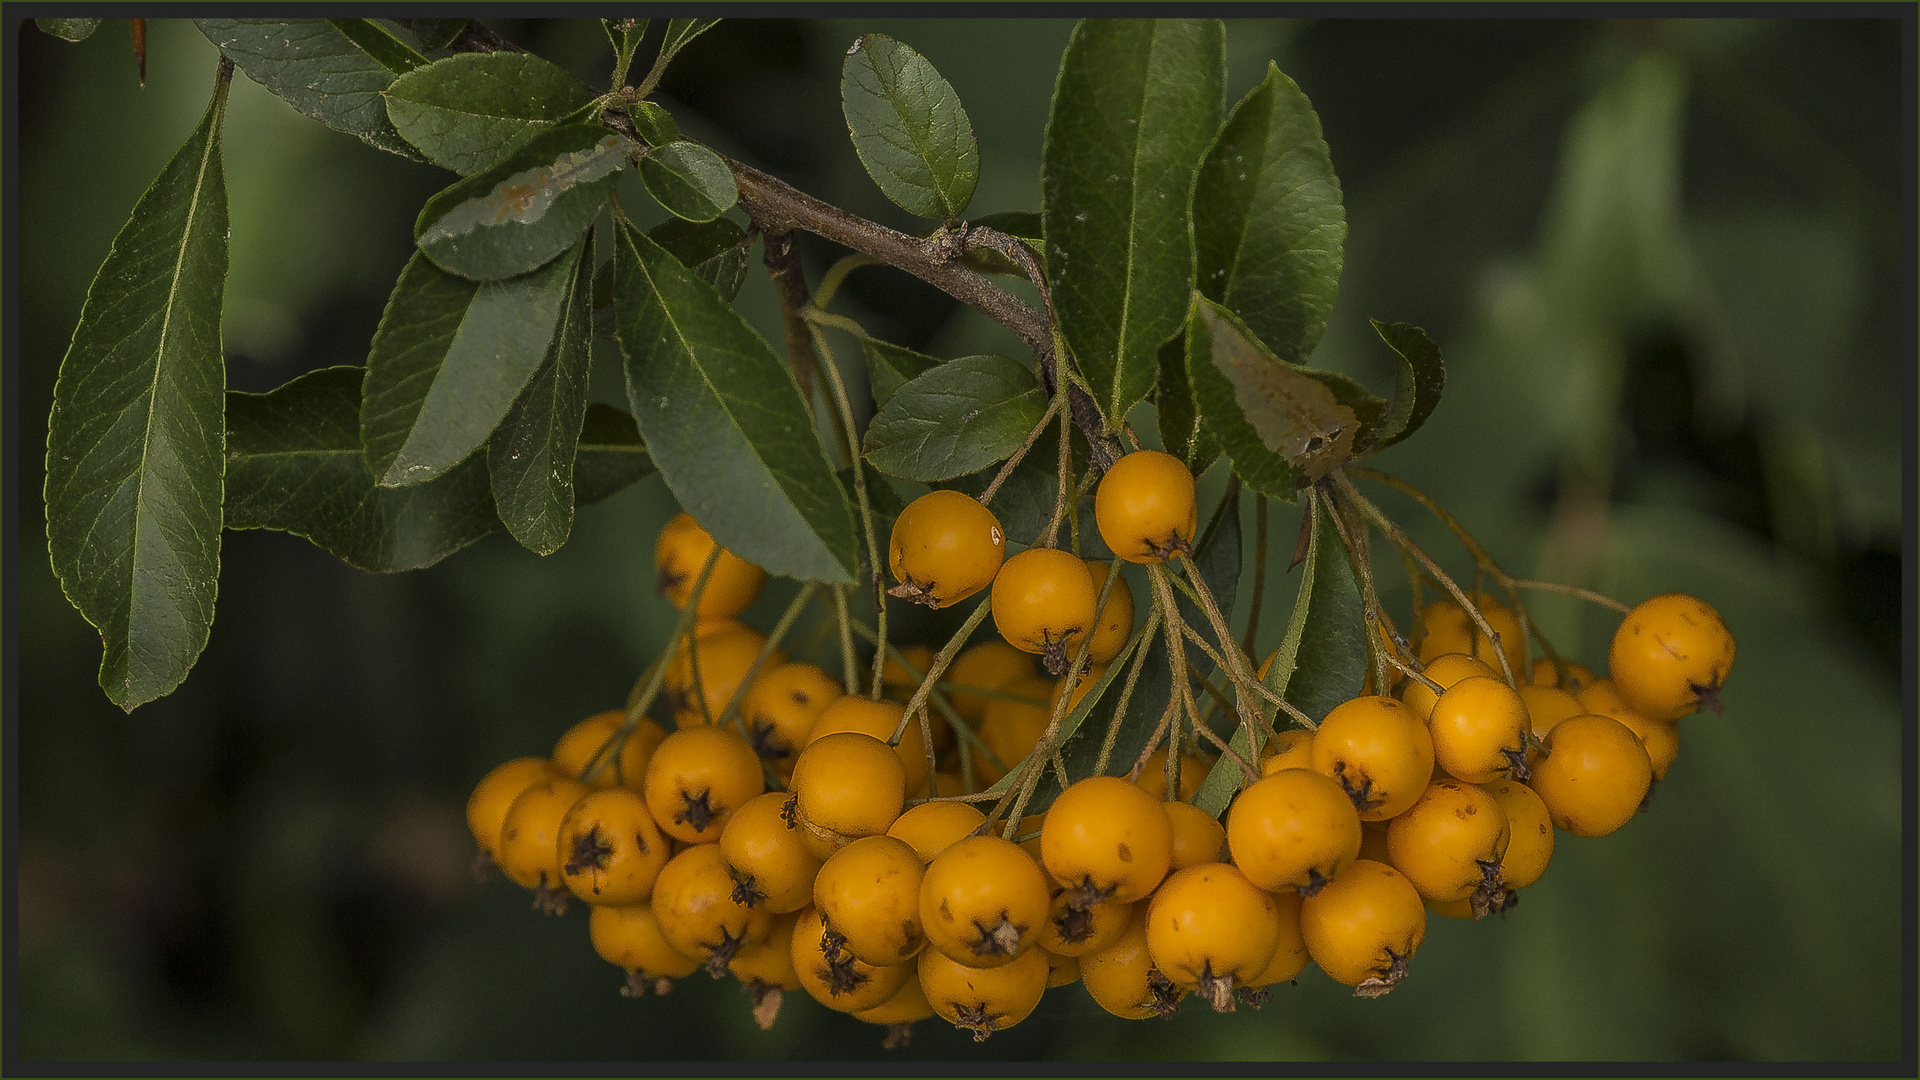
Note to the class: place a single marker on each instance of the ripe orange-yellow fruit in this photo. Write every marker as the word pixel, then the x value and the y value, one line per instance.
pixel 1146 507
pixel 1670 656
pixel 1043 604
pixel 678 555
pixel 945 547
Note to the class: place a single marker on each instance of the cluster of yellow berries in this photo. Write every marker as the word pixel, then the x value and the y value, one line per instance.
pixel 788 847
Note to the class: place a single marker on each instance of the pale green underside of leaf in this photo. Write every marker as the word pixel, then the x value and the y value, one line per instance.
pixel 519 214
pixel 449 359
pixel 909 128
pixel 133 485
pixel 1268 223
pixel 1417 388
pixel 1136 104
pixel 682 31
pixel 530 456
pixel 724 420
pixel 69 29
pixel 318 70
pixel 469 111
pixel 294 465
pixel 961 416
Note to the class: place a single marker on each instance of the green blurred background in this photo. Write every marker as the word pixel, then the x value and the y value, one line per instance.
pixel 1663 260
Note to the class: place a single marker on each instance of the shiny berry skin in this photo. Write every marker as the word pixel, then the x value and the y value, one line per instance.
pixel 945 547
pixel 585 744
pixel 983 901
pixel 1121 978
pixel 530 833
pixel 839 980
pixel 720 659
pixel 1043 604
pixel 679 554
pixel 1115 623
pixel 846 785
pixel 698 777
pixel 766 856
pixel 487 806
pixel 1671 656
pixel 1364 927
pixel 1444 670
pixel 1449 843
pixel 1479 728
pixel 629 937
pixel 610 849
pixel 1594 775
pixel 1660 737
pixel 1107 840
pixel 693 899
pixel 1378 750
pixel 1209 929
pixel 1198 837
pixel 1295 830
pixel 858 713
pixel 780 708
pixel 1530 828
pixel 1146 508
pixel 869 894
pixel 983 1000
pixel 930 828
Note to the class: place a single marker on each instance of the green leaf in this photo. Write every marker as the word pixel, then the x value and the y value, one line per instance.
pixel 449 359
pixel 654 123
pixel 530 456
pixel 530 207
pixel 716 251
pixel 294 465
pixel 432 34
pixel 133 442
pixel 689 181
pixel 1181 431
pixel 1417 390
pixel 68 29
pixel 1268 225
pixel 318 70
pixel 724 420
pixel 1283 426
pixel 961 416
pixel 889 367
pixel 469 111
pixel 624 35
pixel 909 128
pixel 882 500
pixel 679 33
pixel 1136 104
pixel 376 41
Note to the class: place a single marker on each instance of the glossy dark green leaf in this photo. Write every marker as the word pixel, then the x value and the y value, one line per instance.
pixel 1416 392
pixel 1136 104
pixel 1283 426
pixel 470 110
pixel 714 250
pixel 68 29
pixel 1181 432
pixel 1268 224
pixel 689 181
pixel 680 32
pixel 909 128
pixel 449 359
pixel 318 70
pixel 517 215
pixel 294 465
pixel 654 123
pixel 889 367
pixel 961 416
pixel 434 34
pixel 530 456
pixel 624 35
pixel 378 42
pixel 133 483
pixel 724 420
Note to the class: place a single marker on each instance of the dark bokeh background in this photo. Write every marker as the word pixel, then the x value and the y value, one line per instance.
pixel 1663 258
